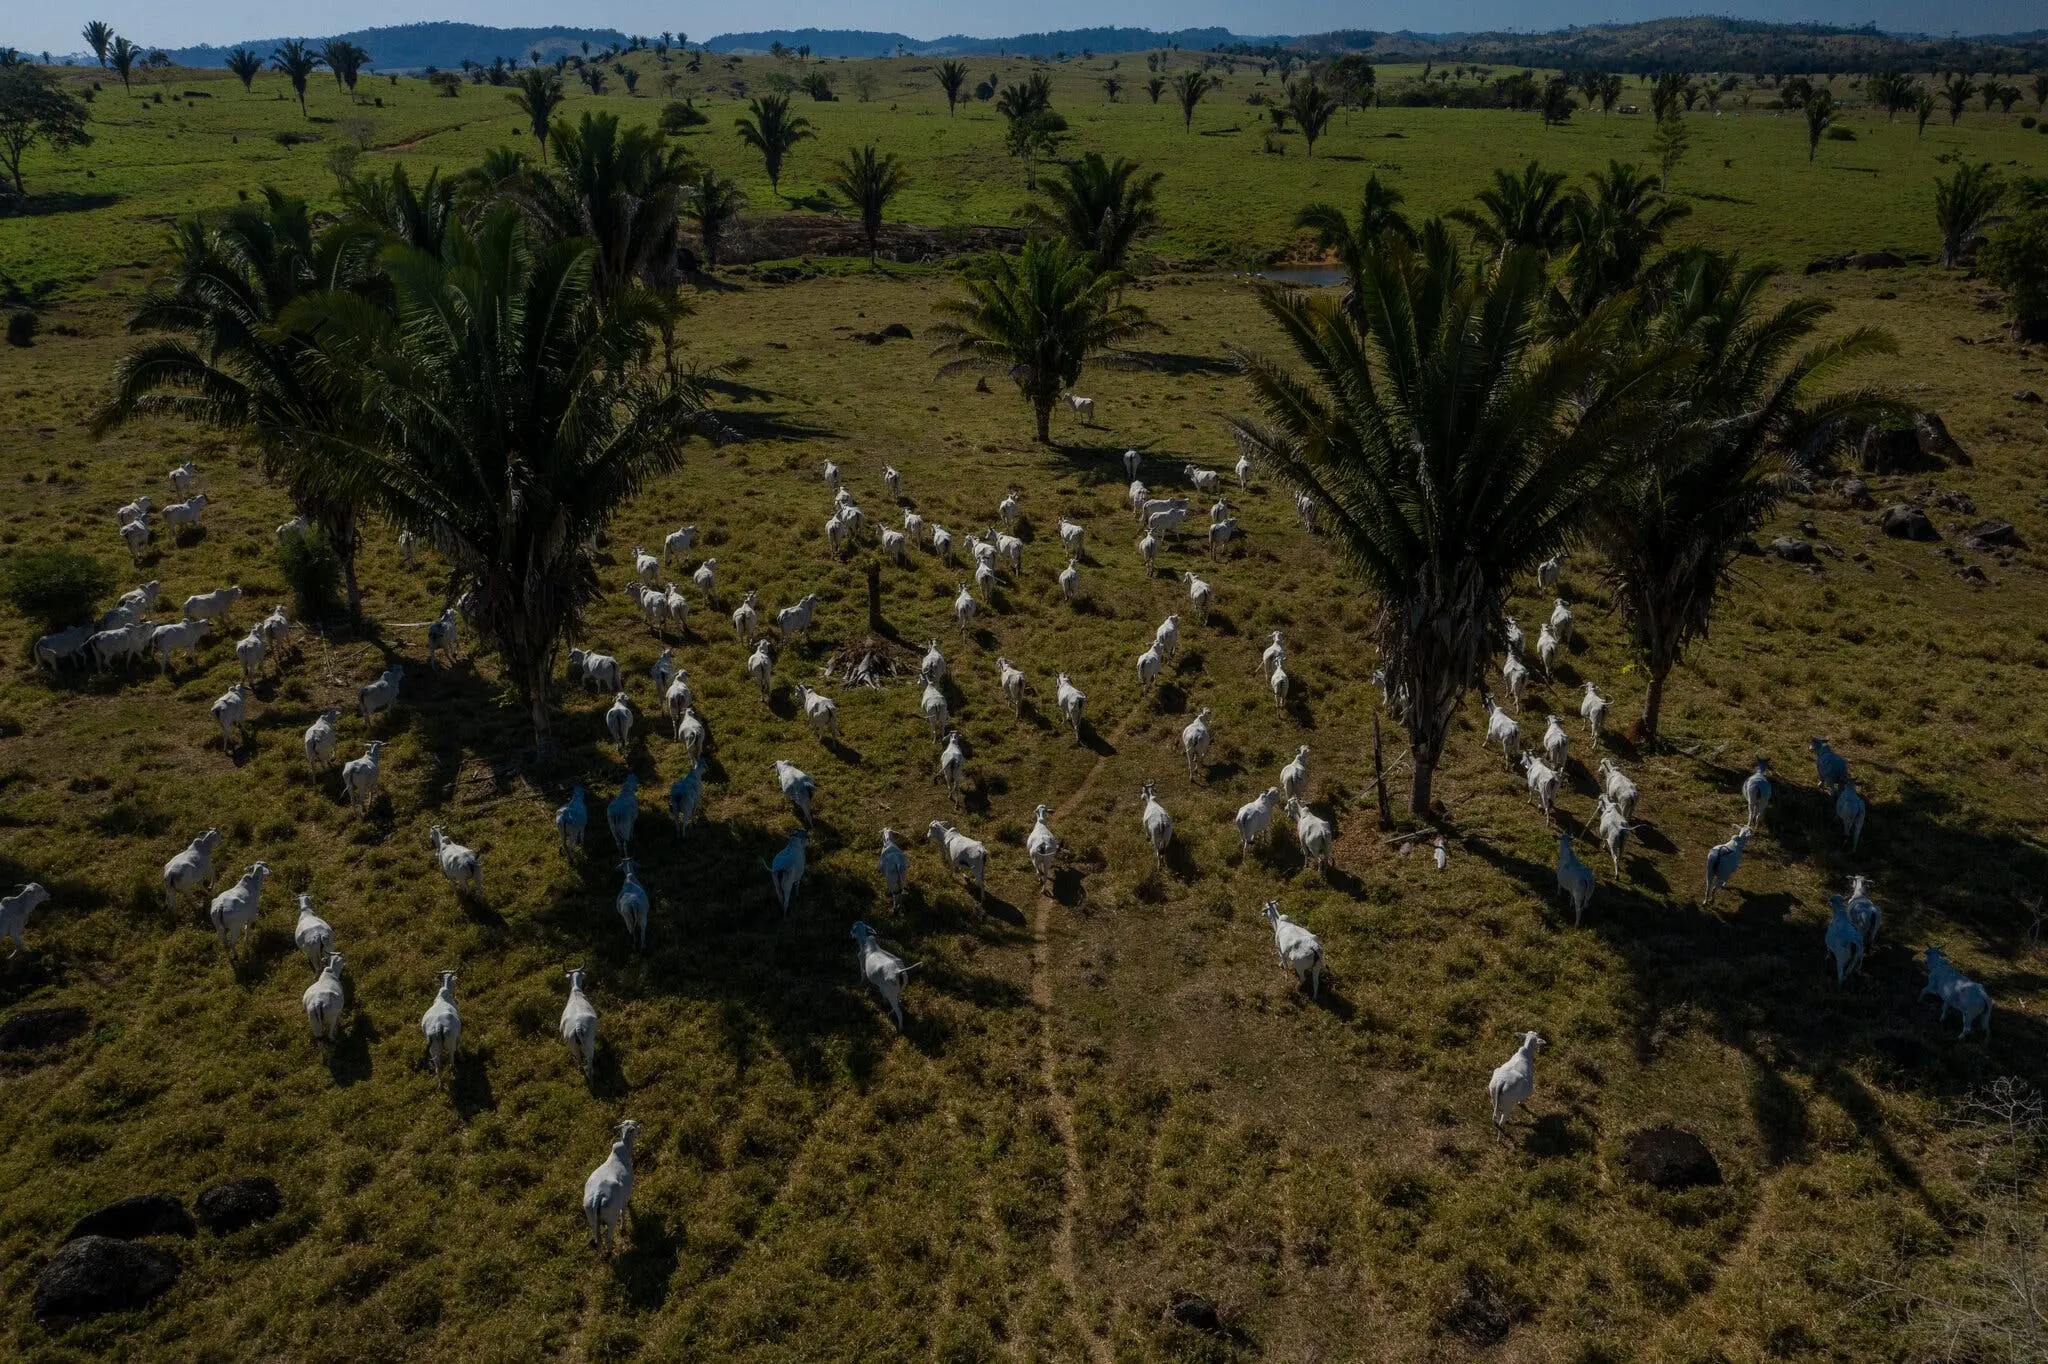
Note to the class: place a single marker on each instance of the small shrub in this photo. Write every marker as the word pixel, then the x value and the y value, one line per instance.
pixel 22 325
pixel 1840 134
pixel 2027 120
pixel 679 114
pixel 1274 145
pixel 313 573
pixel 57 588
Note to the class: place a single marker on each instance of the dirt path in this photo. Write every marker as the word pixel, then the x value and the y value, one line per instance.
pixel 1048 1060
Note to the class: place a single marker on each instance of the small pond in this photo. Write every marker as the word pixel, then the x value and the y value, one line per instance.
pixel 1307 276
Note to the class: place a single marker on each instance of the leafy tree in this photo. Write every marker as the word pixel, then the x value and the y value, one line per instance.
pixel 1669 144
pixel 1890 91
pixel 1188 89
pixel 2015 258
pixel 1156 87
pixel 1668 521
pixel 770 129
pixel 56 589
pixel 1101 207
pixel 99 37
pixel 503 410
pixel 713 205
pixel 298 62
pixel 35 109
pixel 1038 317
pixel 680 115
pixel 952 79
pixel 1666 94
pixel 1312 108
pixel 631 77
pixel 1610 91
pixel 345 60
pixel 1032 127
pixel 231 360
pixel 1447 453
pixel 246 65
pixel 1515 211
pixel 539 94
pixel 867 180
pixel 1820 116
pixel 122 56
pixel 1557 101
pixel 1963 205
pixel 1351 79
pixel 1957 92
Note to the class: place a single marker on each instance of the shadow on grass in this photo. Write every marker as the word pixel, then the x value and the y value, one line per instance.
pixel 51 204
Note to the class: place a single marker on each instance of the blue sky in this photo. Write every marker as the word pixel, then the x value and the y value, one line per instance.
pixel 169 23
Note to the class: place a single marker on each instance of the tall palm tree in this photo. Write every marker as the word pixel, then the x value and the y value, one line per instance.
pixel 1312 108
pixel 390 206
pixel 867 181
pixel 1820 116
pixel 1668 522
pixel 122 56
pixel 345 60
pixel 952 80
pixel 231 362
pixel 1380 226
pixel 1957 93
pixel 1518 210
pixel 503 410
pixel 620 187
pixel 712 206
pixel 99 37
pixel 298 62
pixel 1188 88
pixel 770 129
pixel 1963 204
pixel 1038 317
pixel 246 65
pixel 1032 127
pixel 1101 207
pixel 1610 233
pixel 1445 450
pixel 538 95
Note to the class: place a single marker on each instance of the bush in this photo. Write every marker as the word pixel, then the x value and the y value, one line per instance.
pixel 58 588
pixel 1840 134
pixel 313 573
pixel 677 115
pixel 2026 120
pixel 2016 259
pixel 22 326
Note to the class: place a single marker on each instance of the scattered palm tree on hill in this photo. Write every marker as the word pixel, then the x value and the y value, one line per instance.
pixel 538 95
pixel 396 211
pixel 1101 207
pixel 1610 233
pixel 1447 453
pixel 1963 205
pixel 770 129
pixel 297 62
pixel 99 37
pixel 1380 225
pixel 952 80
pixel 1188 88
pixel 345 60
pixel 123 56
pixel 1518 210
pixel 1038 317
pixel 500 408
pixel 621 188
pixel 867 181
pixel 246 65
pixel 1668 523
pixel 1312 108
pixel 1820 116
pixel 1957 93
pixel 712 206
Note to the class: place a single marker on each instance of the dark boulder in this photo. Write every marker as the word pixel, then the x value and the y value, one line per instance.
pixel 1935 442
pixel 1791 549
pixel 238 1203
pixel 35 1029
pixel 896 329
pixel 139 1215
pixel 1195 1312
pixel 1875 260
pixel 1905 522
pixel 2026 395
pixel 1993 535
pixel 1888 452
pixel 97 1274
pixel 1669 1158
pixel 1855 492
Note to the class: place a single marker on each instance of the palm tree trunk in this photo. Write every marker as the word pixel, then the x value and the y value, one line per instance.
pixel 539 681
pixel 1653 705
pixel 1419 788
pixel 1044 410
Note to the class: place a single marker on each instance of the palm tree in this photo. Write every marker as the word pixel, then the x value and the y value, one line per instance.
pixel 345 60
pixel 1963 204
pixel 246 65
pixel 952 79
pixel 1668 522
pixel 99 37
pixel 1525 210
pixel 122 56
pixel 713 205
pixel 502 410
pixel 770 129
pixel 1380 225
pixel 592 75
pixel 232 363
pixel 1957 92
pixel 1611 232
pixel 298 63
pixel 1156 87
pixel 1188 88
pixel 1032 127
pixel 389 206
pixel 1101 207
pixel 1312 108
pixel 538 95
pixel 1447 453
pixel 1038 317
pixel 621 188
pixel 1820 116
pixel 868 180
pixel 1923 110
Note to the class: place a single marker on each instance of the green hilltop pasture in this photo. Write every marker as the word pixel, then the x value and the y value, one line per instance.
pixel 1110 1097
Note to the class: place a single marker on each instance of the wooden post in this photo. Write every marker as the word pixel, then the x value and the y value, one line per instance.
pixel 1379 776
pixel 875 596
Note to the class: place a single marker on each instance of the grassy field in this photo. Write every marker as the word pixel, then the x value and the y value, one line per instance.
pixel 1111 1095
